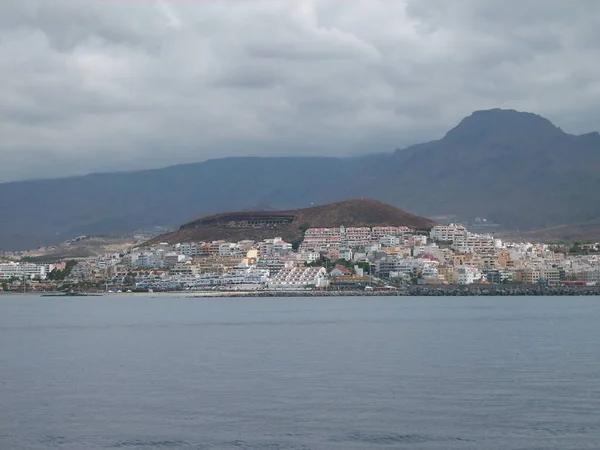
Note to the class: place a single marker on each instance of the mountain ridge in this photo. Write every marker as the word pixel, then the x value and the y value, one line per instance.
pixel 514 168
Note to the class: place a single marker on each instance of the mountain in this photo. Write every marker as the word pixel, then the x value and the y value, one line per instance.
pixel 46 212
pixel 513 168
pixel 288 224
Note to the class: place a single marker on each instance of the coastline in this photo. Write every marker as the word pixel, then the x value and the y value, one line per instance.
pixel 423 291
pixel 411 291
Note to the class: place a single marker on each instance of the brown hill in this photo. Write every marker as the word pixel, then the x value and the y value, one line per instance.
pixel 259 225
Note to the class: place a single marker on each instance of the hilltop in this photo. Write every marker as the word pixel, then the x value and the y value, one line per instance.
pixel 289 224
pixel 514 168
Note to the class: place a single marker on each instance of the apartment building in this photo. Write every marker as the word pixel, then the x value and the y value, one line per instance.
pixel 381 232
pixel 20 270
pixel 467 275
pixel 299 278
pixel 216 264
pixel 447 233
pixel 276 263
pixel 531 275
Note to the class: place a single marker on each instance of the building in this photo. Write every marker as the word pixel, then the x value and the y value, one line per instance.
pixel 498 276
pixel 20 270
pixel 351 238
pixel 299 278
pixel 276 263
pixel 390 267
pixel 216 264
pixel 467 275
pixel 382 232
pixel 340 271
pixel 447 233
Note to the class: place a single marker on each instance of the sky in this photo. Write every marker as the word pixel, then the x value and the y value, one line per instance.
pixel 103 85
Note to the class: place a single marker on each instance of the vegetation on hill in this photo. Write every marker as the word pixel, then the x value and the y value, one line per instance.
pixel 59 275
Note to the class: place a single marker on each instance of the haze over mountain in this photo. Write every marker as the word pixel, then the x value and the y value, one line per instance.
pixel 109 85
pixel 512 167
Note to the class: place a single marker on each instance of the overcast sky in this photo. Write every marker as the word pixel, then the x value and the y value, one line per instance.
pixel 98 85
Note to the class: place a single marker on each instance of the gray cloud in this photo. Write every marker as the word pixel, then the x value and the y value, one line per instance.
pixel 117 85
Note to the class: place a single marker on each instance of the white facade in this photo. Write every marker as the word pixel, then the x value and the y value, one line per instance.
pixel 147 260
pixel 189 248
pixel 19 270
pixel 464 241
pixel 228 250
pixel 390 241
pixel 299 278
pixel 467 275
pixel 447 233
pixel 308 257
pixel 276 246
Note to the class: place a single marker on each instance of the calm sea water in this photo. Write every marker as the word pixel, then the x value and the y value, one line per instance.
pixel 321 373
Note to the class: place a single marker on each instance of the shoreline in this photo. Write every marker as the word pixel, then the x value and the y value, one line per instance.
pixel 411 291
pixel 423 291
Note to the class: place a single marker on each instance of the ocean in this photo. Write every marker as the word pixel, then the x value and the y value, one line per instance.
pixel 166 372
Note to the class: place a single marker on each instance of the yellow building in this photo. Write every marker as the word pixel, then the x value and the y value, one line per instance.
pixel 216 264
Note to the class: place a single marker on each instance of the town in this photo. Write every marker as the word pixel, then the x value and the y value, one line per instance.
pixel 343 259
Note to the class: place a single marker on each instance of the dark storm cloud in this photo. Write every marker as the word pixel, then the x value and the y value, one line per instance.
pixel 126 84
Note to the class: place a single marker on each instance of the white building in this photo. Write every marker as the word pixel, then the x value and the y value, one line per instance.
pixel 299 278
pixel 308 257
pixel 275 246
pixel 19 270
pixel 407 268
pixel 467 275
pixel 276 263
pixel 447 233
pixel 346 253
pixel 229 250
pixel 391 241
pixel 147 260
pixel 189 248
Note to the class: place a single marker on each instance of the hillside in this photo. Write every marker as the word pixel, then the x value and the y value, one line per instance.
pixel 80 248
pixel 583 232
pixel 47 212
pixel 288 224
pixel 516 169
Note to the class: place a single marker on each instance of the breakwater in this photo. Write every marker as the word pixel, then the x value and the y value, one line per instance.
pixel 425 290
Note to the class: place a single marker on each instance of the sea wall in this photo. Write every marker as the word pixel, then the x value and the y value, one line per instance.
pixel 427 290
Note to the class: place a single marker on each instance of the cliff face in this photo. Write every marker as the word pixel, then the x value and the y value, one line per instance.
pixel 288 224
